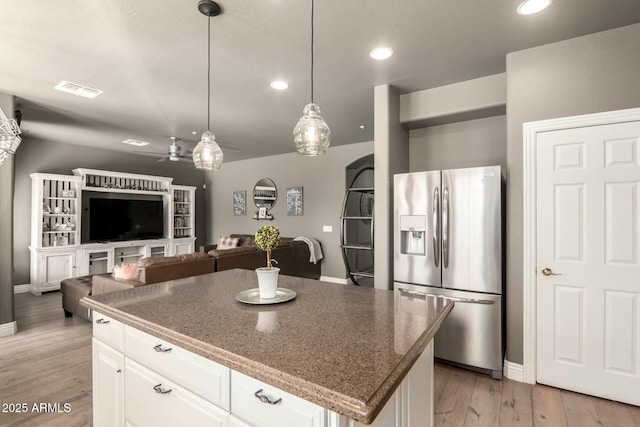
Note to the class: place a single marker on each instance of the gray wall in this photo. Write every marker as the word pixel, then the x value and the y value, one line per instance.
pixel 594 73
pixel 6 226
pixel 391 157
pixel 59 158
pixel 323 182
pixel 481 142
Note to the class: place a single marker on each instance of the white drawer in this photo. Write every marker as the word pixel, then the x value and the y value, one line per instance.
pixel 289 411
pixel 152 400
pixel 109 331
pixel 198 374
pixel 236 422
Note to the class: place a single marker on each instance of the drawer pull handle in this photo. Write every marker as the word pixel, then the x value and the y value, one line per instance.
pixel 265 399
pixel 159 349
pixel 102 321
pixel 158 388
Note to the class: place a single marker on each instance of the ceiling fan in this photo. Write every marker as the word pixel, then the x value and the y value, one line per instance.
pixel 175 153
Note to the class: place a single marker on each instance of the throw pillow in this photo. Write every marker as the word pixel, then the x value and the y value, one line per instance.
pixel 125 271
pixel 227 242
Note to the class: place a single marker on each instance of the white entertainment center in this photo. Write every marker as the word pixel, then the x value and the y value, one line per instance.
pixel 57 251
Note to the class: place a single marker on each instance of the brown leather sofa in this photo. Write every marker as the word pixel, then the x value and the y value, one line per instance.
pixel 292 256
pixel 149 270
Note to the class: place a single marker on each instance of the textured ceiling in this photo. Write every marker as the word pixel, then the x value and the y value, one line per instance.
pixel 149 58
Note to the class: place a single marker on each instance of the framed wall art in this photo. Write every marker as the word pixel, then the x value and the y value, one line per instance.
pixel 239 203
pixel 294 201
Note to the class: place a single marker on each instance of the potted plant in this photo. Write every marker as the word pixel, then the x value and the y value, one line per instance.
pixel 267 239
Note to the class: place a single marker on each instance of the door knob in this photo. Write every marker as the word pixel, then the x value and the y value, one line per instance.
pixel 549 272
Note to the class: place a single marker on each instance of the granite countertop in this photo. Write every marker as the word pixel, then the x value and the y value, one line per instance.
pixel 345 348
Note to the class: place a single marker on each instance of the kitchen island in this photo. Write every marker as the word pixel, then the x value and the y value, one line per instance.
pixel 335 355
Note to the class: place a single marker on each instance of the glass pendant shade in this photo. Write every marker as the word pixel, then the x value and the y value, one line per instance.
pixel 9 139
pixel 311 135
pixel 207 155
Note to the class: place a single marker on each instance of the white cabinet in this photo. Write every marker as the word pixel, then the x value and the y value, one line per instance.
pixel 50 267
pixel 199 375
pixel 109 331
pixel 55 208
pixel 183 210
pixel 236 422
pixel 163 384
pixel 108 386
pixel 57 252
pixel 153 400
pixel 266 406
pixel 156 250
pixel 94 260
pixel 54 224
pixel 183 247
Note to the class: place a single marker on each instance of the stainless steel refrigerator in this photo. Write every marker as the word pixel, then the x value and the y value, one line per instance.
pixel 448 242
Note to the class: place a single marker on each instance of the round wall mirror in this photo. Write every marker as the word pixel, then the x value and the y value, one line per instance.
pixel 265 193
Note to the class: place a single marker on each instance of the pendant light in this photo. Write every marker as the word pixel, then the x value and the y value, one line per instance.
pixel 9 139
pixel 207 155
pixel 311 135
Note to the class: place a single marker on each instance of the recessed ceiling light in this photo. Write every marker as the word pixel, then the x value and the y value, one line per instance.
pixel 530 7
pixel 381 53
pixel 279 85
pixel 135 142
pixel 362 127
pixel 77 89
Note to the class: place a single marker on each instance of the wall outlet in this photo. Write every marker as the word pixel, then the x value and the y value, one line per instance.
pixel 327 229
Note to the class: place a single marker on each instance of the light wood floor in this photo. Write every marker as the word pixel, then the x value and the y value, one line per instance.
pixel 49 361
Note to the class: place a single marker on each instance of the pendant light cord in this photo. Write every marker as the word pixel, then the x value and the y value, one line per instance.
pixel 209 74
pixel 312 9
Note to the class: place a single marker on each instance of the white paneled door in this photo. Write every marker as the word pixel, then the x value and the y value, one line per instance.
pixel 588 275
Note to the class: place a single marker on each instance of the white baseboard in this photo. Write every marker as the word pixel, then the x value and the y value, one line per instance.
pixel 334 280
pixel 21 289
pixel 7 329
pixel 513 371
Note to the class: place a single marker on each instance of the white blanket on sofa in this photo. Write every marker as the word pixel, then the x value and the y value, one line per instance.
pixel 314 248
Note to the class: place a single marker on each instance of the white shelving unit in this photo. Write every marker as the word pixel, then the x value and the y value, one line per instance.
pixel 56 250
pixel 183 211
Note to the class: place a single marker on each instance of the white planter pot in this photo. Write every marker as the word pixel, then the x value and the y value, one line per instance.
pixel 267 281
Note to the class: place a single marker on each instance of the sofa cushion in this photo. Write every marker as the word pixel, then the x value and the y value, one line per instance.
pixel 239 249
pixel 146 262
pixel 194 255
pixel 246 239
pixel 228 242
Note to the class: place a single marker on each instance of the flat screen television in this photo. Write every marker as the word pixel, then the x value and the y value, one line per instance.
pixel 113 219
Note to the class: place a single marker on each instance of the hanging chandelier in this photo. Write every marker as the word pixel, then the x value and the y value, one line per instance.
pixel 208 155
pixel 9 139
pixel 311 135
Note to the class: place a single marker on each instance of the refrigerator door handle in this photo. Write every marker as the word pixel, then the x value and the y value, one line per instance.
pixel 436 227
pixel 445 227
pixel 454 299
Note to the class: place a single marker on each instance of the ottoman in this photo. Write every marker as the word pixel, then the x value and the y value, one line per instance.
pixel 74 289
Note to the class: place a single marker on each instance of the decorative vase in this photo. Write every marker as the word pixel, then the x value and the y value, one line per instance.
pixel 267 281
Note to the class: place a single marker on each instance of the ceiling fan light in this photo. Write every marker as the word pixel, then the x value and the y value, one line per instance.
pixel 208 155
pixel 531 7
pixel 311 135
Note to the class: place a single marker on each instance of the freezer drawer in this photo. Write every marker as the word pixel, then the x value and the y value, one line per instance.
pixel 472 333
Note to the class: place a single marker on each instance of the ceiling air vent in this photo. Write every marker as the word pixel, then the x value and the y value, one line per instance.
pixel 77 89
